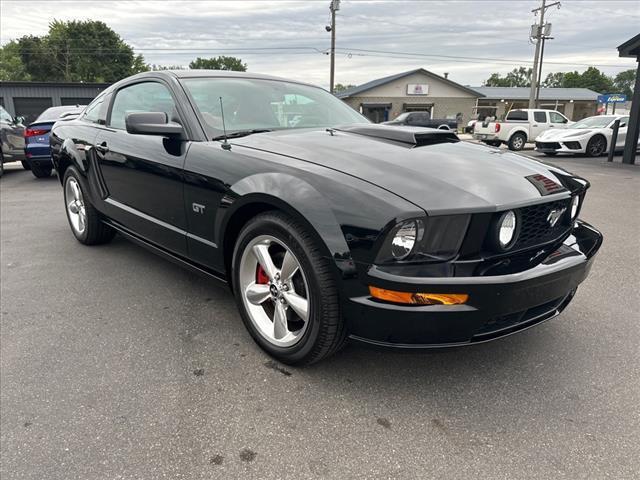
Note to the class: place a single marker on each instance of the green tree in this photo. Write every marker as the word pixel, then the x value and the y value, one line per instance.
pixel 339 87
pixel 218 63
pixel 624 82
pixel 11 65
pixel 591 78
pixel 518 77
pixel 77 51
pixel 554 80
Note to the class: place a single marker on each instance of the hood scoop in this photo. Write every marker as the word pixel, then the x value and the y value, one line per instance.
pixel 408 136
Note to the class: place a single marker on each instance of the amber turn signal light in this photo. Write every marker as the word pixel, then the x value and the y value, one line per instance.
pixel 418 298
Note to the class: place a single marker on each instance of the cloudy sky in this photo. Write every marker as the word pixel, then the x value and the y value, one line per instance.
pixel 468 39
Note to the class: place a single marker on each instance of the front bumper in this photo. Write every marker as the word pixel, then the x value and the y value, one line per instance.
pixel 568 146
pixel 497 305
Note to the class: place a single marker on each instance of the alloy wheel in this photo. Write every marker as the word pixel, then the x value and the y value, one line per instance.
pixel 274 291
pixel 596 147
pixel 75 205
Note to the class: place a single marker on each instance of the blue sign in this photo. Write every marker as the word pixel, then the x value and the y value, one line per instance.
pixel 612 98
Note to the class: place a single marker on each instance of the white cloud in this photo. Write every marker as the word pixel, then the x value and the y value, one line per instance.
pixel 585 32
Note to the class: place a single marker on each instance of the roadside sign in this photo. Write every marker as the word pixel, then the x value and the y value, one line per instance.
pixel 612 98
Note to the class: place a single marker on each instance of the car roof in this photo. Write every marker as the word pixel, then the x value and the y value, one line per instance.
pixel 185 74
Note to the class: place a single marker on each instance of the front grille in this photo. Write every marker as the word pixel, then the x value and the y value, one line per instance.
pixel 535 228
pixel 548 145
pixel 499 326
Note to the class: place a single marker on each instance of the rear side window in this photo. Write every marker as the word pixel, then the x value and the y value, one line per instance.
pixel 517 115
pixel 96 112
pixel 141 97
pixel 540 117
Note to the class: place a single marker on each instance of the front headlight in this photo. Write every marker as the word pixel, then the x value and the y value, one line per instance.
pixel 577 134
pixel 424 239
pixel 507 229
pixel 404 239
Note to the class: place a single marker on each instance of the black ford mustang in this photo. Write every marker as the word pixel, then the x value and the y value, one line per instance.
pixel 326 227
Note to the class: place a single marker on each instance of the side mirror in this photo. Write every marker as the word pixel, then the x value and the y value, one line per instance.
pixel 152 123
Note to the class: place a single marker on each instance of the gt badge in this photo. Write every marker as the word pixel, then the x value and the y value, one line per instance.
pixel 554 216
pixel 198 208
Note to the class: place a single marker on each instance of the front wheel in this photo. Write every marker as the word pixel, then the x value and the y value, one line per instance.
pixel 285 290
pixel 596 146
pixel 84 220
pixel 517 142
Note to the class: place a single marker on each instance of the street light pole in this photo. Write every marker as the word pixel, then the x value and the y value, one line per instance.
pixel 335 5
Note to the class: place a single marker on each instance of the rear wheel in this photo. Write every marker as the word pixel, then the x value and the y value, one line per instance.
pixel 41 172
pixel 285 291
pixel 517 141
pixel 25 165
pixel 84 220
pixel 596 146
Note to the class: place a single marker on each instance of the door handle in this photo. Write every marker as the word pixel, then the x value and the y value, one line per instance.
pixel 102 148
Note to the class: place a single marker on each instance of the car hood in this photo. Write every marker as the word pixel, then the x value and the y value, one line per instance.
pixel 567 133
pixel 440 178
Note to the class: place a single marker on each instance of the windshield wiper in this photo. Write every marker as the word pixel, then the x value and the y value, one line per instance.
pixel 242 133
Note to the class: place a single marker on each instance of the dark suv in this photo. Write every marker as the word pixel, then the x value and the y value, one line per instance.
pixel 11 139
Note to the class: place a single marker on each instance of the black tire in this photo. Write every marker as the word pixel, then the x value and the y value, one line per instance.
pixel 597 146
pixel 41 172
pixel 25 165
pixel 517 141
pixel 1 166
pixel 95 232
pixel 492 143
pixel 326 332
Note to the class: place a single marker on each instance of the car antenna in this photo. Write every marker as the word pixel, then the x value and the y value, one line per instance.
pixel 225 143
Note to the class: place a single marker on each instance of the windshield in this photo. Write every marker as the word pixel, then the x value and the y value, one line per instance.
pixel 255 104
pixel 402 117
pixel 593 122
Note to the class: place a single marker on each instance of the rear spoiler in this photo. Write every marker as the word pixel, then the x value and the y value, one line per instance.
pixel 411 136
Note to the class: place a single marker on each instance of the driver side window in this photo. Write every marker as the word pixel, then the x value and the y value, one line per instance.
pixel 141 97
pixel 556 118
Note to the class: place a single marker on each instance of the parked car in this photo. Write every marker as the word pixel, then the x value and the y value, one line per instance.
pixel 11 139
pixel 37 149
pixel 591 136
pixel 422 119
pixel 331 229
pixel 519 127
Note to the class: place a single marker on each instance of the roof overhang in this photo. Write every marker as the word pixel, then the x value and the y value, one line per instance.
pixel 630 48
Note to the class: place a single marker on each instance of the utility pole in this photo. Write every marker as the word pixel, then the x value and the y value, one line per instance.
pixel 544 38
pixel 537 33
pixel 334 7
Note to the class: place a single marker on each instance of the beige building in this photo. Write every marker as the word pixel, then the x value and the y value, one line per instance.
pixel 417 90
pixel 575 103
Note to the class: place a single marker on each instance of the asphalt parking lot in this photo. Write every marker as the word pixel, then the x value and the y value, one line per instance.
pixel 116 364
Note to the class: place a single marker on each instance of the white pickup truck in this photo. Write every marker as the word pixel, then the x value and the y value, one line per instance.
pixel 519 127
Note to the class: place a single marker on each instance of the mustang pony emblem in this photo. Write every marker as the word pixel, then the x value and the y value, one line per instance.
pixel 554 216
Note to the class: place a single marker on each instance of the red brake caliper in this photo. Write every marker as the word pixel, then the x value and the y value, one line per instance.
pixel 261 276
